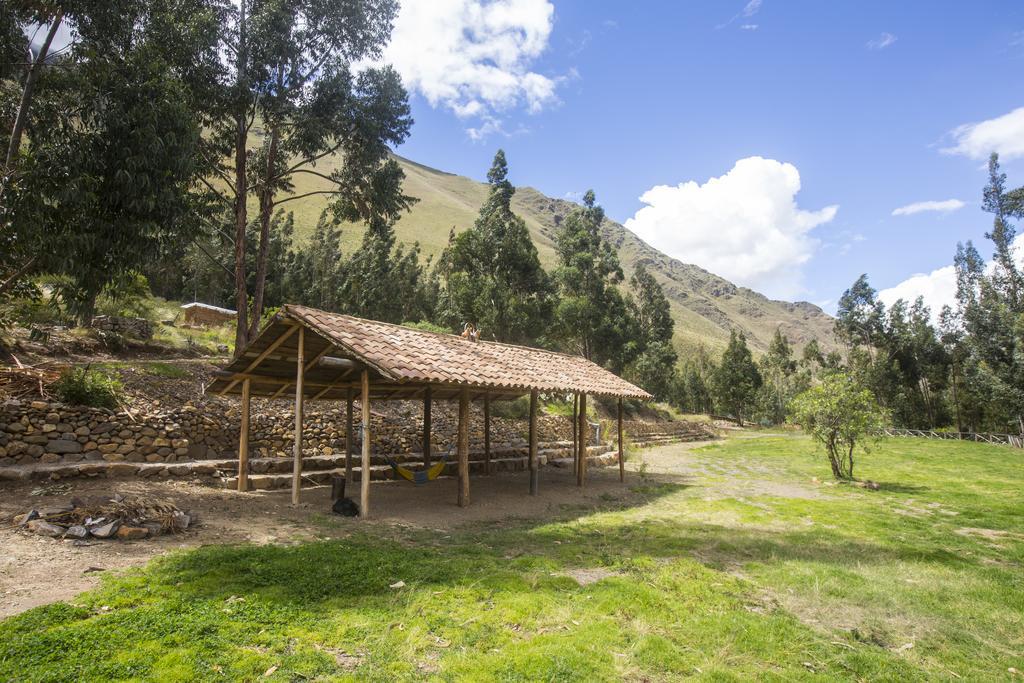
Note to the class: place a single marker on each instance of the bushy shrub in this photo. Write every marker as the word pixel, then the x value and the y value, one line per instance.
pixel 88 387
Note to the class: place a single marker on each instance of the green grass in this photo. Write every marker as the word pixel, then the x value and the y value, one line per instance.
pixel 735 565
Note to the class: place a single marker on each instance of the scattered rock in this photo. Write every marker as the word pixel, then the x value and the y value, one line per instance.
pixel 132 533
pixel 106 530
pixel 44 528
pixel 77 531
pixel 22 520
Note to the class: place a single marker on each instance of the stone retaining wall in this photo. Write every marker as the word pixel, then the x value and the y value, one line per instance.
pixel 39 432
pixel 140 328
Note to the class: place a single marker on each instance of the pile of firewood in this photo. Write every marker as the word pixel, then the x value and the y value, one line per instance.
pixel 23 382
pixel 128 518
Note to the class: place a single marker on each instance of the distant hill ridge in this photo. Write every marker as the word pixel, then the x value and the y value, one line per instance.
pixel 705 306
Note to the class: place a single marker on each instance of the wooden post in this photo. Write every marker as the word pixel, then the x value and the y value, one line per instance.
pixel 463 442
pixel 487 433
pixel 426 428
pixel 534 474
pixel 349 439
pixel 300 373
pixel 576 436
pixel 622 459
pixel 243 439
pixel 581 470
pixel 364 472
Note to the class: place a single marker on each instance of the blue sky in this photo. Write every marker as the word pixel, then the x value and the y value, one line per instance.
pixel 863 102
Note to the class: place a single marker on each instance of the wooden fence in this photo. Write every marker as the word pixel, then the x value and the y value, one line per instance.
pixel 1000 439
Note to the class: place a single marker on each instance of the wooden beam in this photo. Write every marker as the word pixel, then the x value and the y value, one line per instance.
pixel 364 471
pixel 281 390
pixel 333 385
pixel 463 442
pixel 348 438
pixel 487 433
pixel 622 460
pixel 534 470
pixel 243 440
pixel 300 372
pixel 426 427
pixel 266 352
pixel 581 472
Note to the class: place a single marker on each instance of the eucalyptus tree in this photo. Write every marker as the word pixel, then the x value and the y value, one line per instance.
pixel 491 274
pixel 593 318
pixel 298 99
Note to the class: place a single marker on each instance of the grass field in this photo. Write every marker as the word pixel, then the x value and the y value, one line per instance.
pixel 727 562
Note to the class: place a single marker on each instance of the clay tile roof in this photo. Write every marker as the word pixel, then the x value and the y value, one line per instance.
pixel 404 354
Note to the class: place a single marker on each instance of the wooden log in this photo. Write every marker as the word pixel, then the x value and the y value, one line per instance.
pixel 364 473
pixel 300 373
pixel 575 429
pixel 463 447
pixel 243 439
pixel 534 469
pixel 487 433
pixel 622 457
pixel 337 488
pixel 426 427
pixel 581 471
pixel 349 438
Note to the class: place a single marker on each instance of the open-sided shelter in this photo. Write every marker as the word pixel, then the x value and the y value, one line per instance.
pixel 314 355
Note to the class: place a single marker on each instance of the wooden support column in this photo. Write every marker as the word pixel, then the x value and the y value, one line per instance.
pixel 349 438
pixel 487 433
pixel 243 439
pixel 463 447
pixel 426 427
pixel 300 373
pixel 622 458
pixel 534 473
pixel 364 471
pixel 581 471
pixel 575 436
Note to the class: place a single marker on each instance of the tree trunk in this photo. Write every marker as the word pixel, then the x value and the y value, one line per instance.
pixel 26 94
pixel 266 194
pixel 266 214
pixel 241 190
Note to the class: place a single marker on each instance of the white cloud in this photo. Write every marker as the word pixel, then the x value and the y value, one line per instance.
pixel 749 27
pixel 474 57
pixel 882 42
pixel 744 225
pixel 1003 134
pixel 749 10
pixel 944 206
pixel 937 287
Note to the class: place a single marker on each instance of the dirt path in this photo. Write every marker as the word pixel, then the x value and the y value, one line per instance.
pixel 35 570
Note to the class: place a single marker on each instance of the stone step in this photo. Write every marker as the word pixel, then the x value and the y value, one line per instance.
pixel 282 465
pixel 597 456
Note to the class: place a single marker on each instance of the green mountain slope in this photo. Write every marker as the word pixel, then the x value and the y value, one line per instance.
pixel 704 305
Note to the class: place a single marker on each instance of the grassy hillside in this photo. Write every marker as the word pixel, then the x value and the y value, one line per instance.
pixel 705 306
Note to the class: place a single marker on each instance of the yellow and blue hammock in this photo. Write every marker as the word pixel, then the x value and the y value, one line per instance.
pixel 420 476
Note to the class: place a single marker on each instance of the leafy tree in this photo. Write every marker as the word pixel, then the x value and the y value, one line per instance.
pixel 651 307
pixel 592 317
pixel 859 315
pixel 491 275
pixel 736 379
pixel 782 378
pixel 290 70
pixel 841 415
pixel 112 147
pixel 655 370
pixel 383 281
